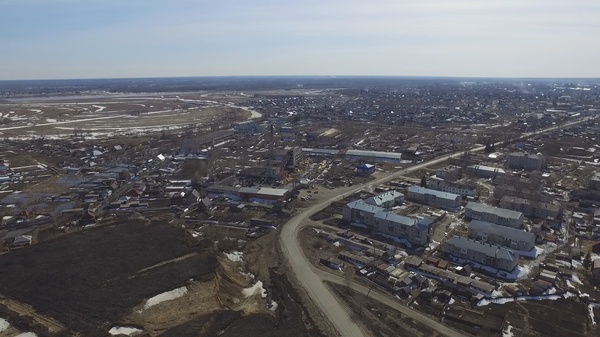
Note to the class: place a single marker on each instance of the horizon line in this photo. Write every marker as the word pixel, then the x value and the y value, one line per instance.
pixel 307 76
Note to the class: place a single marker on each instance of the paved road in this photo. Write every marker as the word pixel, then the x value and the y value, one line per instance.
pixel 337 313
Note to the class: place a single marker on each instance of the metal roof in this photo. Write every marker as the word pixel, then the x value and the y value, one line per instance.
pixel 361 205
pixel 438 194
pixel 399 219
pixel 320 151
pixel 374 154
pixel 382 198
pixel 488 168
pixel 503 231
pixel 501 212
pixel 484 248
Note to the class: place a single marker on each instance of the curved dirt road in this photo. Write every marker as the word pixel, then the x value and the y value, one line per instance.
pixel 335 311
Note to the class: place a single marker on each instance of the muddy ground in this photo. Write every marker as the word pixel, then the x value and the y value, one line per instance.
pixel 87 282
pixel 380 319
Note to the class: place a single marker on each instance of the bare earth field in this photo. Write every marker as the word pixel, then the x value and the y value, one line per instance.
pixel 85 283
pixel 101 118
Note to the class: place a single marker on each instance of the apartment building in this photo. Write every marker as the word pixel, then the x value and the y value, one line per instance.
pixel 386 200
pixel 501 235
pixel 376 218
pixel 525 161
pixel 439 199
pixel 499 216
pixel 530 208
pixel 484 253
pixel 461 188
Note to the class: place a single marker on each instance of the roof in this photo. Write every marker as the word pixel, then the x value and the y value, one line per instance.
pixel 320 151
pixel 596 264
pixel 361 205
pixel 420 224
pixel 488 168
pixel 501 212
pixel 436 193
pixel 399 219
pixel 382 198
pixel 524 154
pixel 264 191
pixel 505 232
pixel 484 248
pixel 374 154
pixel 521 201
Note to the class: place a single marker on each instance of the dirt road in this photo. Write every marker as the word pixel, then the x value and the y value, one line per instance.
pixel 312 282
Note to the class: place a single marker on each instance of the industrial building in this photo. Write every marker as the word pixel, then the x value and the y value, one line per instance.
pixel 486 171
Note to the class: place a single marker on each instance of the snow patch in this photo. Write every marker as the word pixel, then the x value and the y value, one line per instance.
pixel 274 305
pixel 4 324
pixel 124 330
pixel 576 279
pixel 235 256
pixel 26 334
pixel 591 307
pixel 166 296
pixel 507 332
pixel 252 290
pixel 550 296
pixel 497 293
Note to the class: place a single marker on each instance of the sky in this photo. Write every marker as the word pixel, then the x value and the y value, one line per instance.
pixel 55 39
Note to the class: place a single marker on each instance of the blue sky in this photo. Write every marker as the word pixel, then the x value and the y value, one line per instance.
pixel 110 38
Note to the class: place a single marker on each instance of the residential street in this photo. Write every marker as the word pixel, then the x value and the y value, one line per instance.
pixel 312 281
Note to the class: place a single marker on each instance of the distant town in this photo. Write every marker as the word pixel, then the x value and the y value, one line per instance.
pixel 326 206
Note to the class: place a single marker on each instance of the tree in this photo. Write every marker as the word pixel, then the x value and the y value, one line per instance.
pixel 587 261
pixel 423 181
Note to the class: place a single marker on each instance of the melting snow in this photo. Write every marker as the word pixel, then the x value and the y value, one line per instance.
pixel 507 332
pixel 497 293
pixel 3 324
pixel 273 306
pixel 166 296
pixel 552 296
pixel 252 290
pixel 591 307
pixel 99 108
pixel 235 256
pixel 576 279
pixel 124 330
